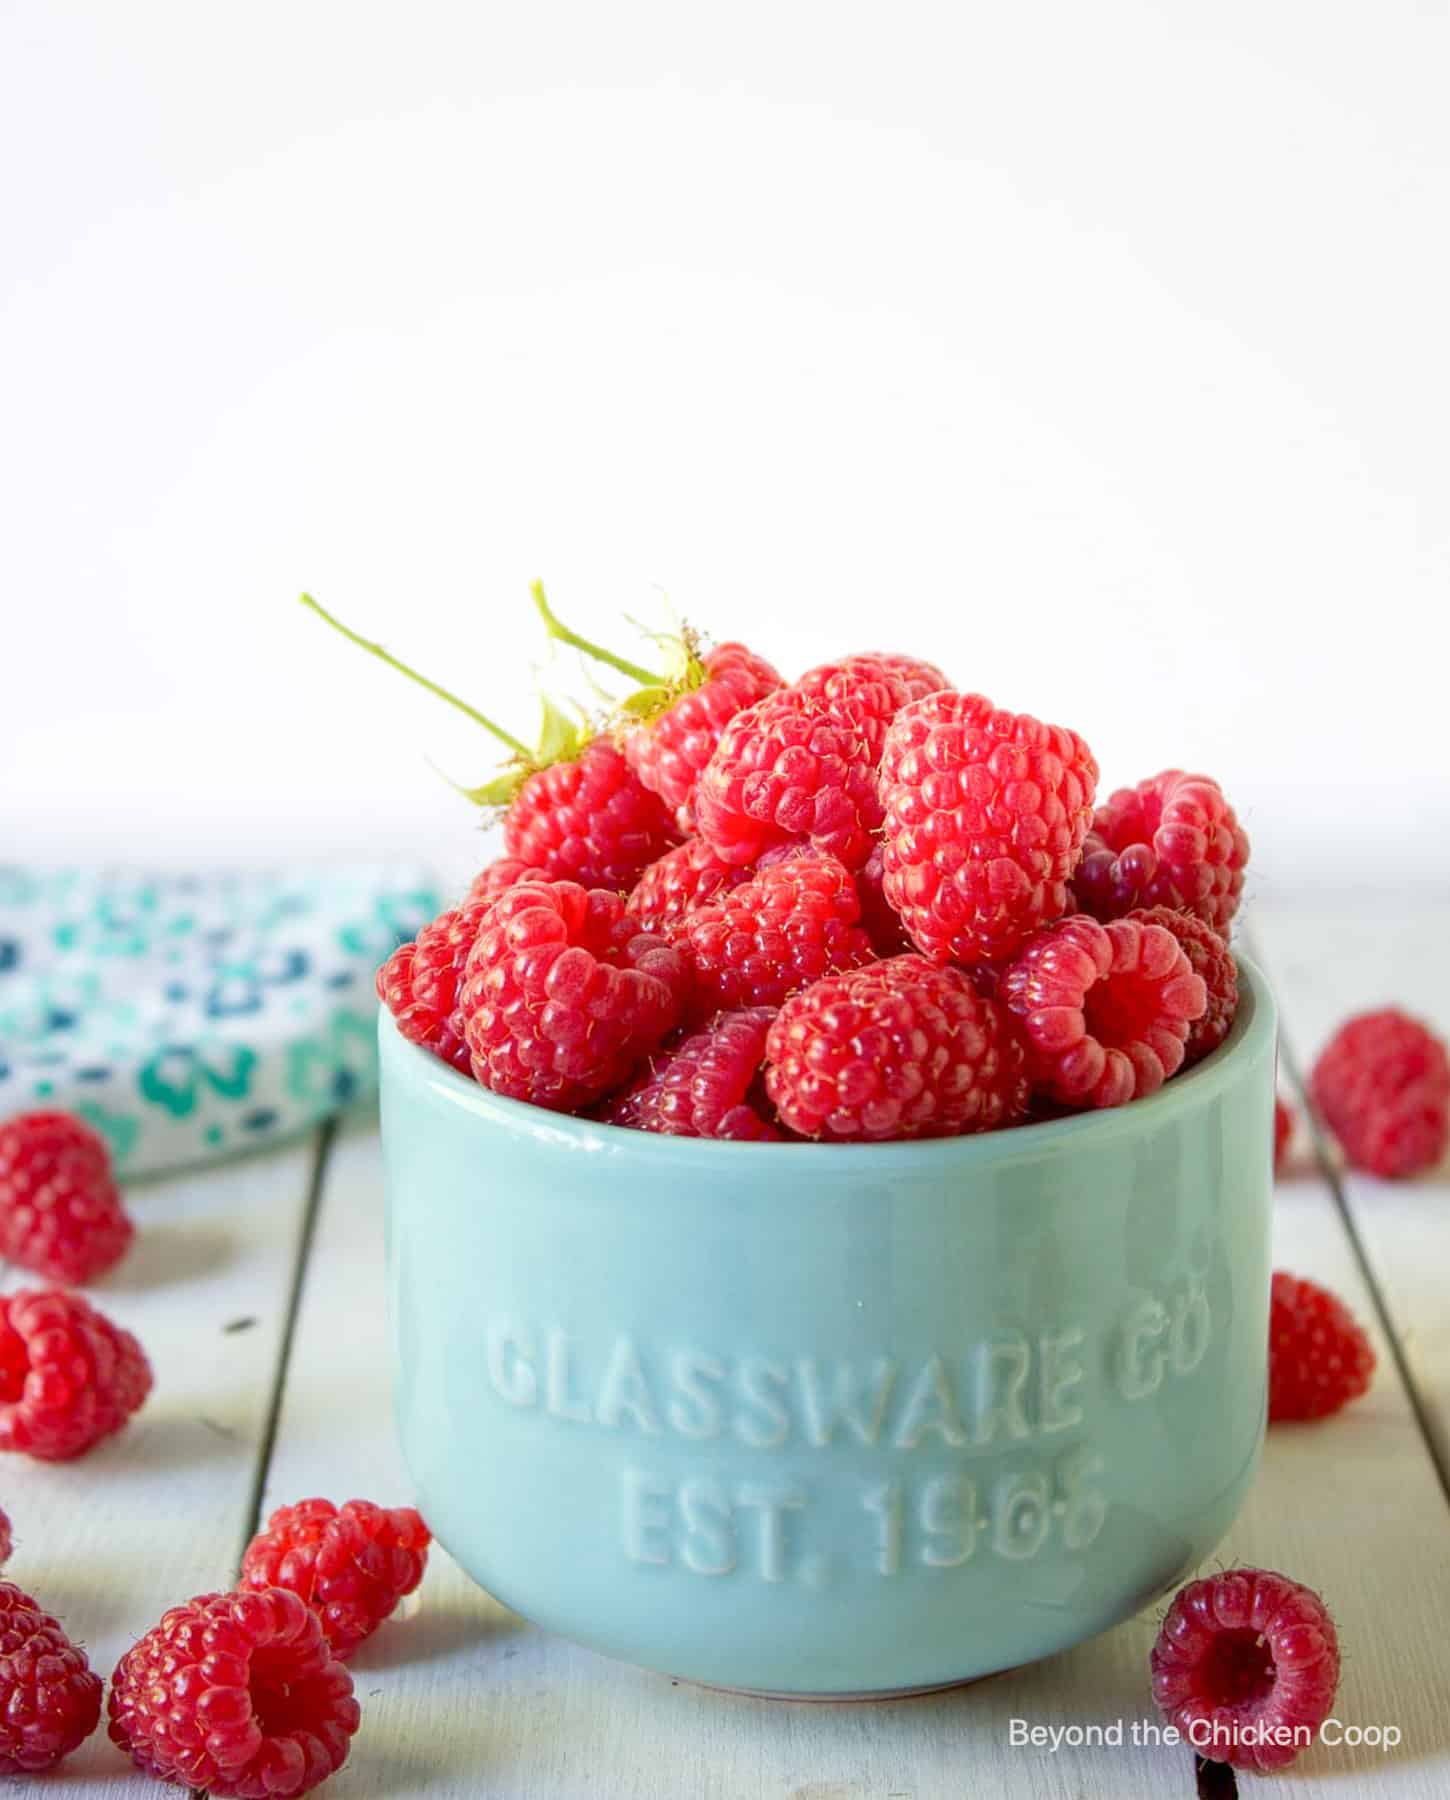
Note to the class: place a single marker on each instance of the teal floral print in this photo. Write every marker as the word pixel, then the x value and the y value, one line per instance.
pixel 191 1016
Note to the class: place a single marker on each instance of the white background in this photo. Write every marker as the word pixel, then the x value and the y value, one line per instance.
pixel 1097 351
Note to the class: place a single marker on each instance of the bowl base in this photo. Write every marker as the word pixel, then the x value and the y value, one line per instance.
pixel 847 1699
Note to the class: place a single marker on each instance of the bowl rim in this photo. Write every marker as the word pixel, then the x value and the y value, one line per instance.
pixel 1254 1022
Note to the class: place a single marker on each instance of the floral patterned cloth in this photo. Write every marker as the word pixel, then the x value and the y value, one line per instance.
pixel 192 1016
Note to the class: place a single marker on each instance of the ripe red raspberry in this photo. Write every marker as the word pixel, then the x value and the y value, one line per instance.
pixel 501 874
pixel 1105 1010
pixel 1283 1132
pixel 1209 956
pixel 68 1376
pixel 1171 841
pixel 682 879
pixel 775 934
pixel 563 995
pixel 1319 1356
pixel 899 1049
pixel 789 770
pixel 590 819
pixel 239 1694
pixel 351 1565
pixel 50 1701
pixel 1382 1085
pixel 879 918
pixel 867 691
pixel 669 751
pixel 985 813
pixel 61 1214
pixel 1246 1667
pixel 419 982
pixel 708 1086
pixel 7 1538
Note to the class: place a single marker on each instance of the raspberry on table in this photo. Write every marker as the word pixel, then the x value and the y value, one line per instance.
pixel 1319 1356
pixel 239 1694
pixel 1245 1659
pixel 351 1564
pixel 710 1085
pixel 1283 1132
pixel 682 879
pixel 1209 956
pixel 1171 841
pixel 1382 1086
pixel 792 923
pixel 68 1376
pixel 898 1049
pixel 589 819
pixel 789 769
pixel 61 1214
pixel 1105 1010
pixel 985 812
pixel 50 1699
pixel 563 995
pixel 669 751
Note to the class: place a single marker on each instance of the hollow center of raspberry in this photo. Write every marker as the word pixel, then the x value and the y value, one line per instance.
pixel 1119 1009
pixel 1237 1670
pixel 279 1704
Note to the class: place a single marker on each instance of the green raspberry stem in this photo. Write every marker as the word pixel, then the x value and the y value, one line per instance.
pixel 563 635
pixel 504 737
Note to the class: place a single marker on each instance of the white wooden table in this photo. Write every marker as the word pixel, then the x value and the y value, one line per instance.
pixel 257 1289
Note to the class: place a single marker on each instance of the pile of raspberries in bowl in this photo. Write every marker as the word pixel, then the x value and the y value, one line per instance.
pixel 863 905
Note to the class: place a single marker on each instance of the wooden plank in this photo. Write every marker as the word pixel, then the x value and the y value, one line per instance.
pixel 1332 961
pixel 157 1514
pixel 464 1698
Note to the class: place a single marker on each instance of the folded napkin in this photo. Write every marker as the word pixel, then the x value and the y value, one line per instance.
pixel 192 1016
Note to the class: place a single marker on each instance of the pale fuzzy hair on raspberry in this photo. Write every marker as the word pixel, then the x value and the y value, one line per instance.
pixel 985 814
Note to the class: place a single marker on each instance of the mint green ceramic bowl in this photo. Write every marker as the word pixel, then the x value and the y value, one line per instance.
pixel 832 1419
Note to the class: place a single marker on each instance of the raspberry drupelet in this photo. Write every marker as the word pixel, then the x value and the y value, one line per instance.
pixel 1209 956
pixel 904 1048
pixel 1382 1086
pixel 351 1564
pixel 794 922
pixel 1319 1356
pixel 985 812
pixel 1171 841
pixel 563 995
pixel 1246 1667
pixel 709 1085
pixel 50 1699
pixel 239 1694
pixel 501 874
pixel 61 1214
pixel 681 880
pixel 1105 1010
pixel 867 691
pixel 68 1376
